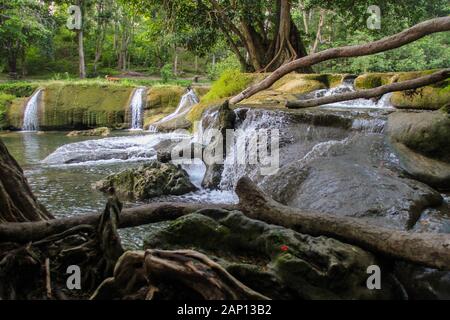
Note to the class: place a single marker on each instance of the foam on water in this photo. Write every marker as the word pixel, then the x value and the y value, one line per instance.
pixel 109 150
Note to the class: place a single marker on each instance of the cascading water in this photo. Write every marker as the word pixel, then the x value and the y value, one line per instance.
pixel 348 86
pixel 31 114
pixel 188 100
pixel 136 108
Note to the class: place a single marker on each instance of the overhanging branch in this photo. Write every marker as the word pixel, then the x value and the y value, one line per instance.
pixel 395 41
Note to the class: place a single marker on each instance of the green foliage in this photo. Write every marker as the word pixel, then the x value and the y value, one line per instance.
pixel 5 100
pixel 167 73
pixel 18 88
pixel 229 63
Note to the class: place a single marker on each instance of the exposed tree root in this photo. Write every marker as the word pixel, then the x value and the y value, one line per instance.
pixel 154 274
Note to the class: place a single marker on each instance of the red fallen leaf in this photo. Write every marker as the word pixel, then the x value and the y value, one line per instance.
pixel 284 248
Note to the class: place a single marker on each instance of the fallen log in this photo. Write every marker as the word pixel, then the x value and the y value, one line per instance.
pixel 388 43
pixel 431 250
pixel 155 212
pixel 371 93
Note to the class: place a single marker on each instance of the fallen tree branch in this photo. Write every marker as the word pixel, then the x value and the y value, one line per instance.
pixel 155 212
pixel 376 92
pixel 395 41
pixel 432 250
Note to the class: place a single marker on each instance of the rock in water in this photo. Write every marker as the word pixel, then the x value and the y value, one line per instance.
pixel 421 141
pixel 225 120
pixel 275 261
pixel 98 132
pixel 148 181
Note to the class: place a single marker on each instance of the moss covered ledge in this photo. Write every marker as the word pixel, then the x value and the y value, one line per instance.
pixel 431 97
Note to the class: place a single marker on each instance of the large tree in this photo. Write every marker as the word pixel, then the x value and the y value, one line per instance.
pixel 261 32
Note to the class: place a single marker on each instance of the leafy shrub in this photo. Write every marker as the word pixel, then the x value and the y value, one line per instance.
pixel 167 73
pixel 5 100
pixel 230 63
pixel 18 89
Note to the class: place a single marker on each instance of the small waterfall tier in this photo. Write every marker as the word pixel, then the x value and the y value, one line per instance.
pixel 188 100
pixel 31 114
pixel 348 86
pixel 137 108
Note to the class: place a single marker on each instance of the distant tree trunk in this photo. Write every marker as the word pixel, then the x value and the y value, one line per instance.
pixel 82 66
pixel 80 36
pixel 17 202
pixel 319 32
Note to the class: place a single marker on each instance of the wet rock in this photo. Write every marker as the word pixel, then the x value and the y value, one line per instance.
pixel 225 120
pixel 421 141
pixel 98 132
pixel 149 181
pixel 353 177
pixel 272 260
pixel 422 283
pixel 167 148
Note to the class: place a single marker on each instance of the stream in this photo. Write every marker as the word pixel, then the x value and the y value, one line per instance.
pixel 333 159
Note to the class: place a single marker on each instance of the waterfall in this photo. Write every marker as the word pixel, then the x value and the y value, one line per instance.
pixel 31 115
pixel 136 108
pixel 188 100
pixel 348 86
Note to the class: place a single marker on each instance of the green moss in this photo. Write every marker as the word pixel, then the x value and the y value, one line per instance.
pixel 230 83
pixel 84 105
pixel 372 80
pixel 5 103
pixel 431 97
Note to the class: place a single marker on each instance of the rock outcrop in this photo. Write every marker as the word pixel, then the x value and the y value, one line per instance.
pixel 149 181
pixel 98 132
pixel 421 141
pixel 274 261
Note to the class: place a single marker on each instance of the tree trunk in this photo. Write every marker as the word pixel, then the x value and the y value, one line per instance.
pixel 400 39
pixel 82 66
pixel 17 202
pixel 371 93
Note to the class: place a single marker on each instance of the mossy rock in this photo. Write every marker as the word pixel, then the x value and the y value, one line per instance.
pixel 75 106
pixel 277 262
pixel 431 97
pixel 229 84
pixel 293 85
pixel 97 132
pixel 161 101
pixel 15 113
pixel 372 80
pixel 148 181
pixel 421 141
